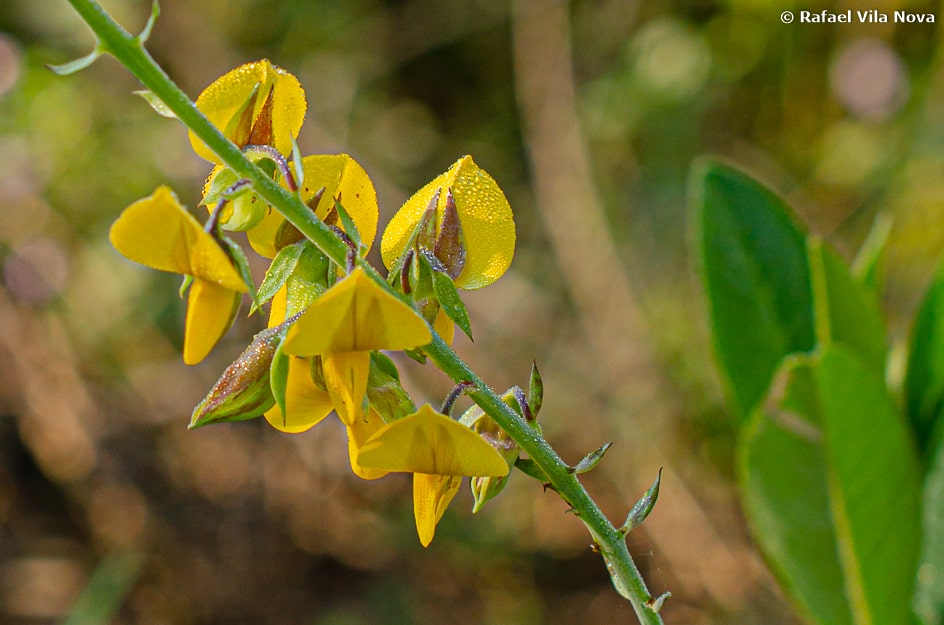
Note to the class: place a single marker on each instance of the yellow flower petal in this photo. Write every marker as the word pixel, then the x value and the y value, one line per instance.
pixel 345 376
pixel 357 434
pixel 158 232
pixel 224 98
pixel 431 496
pixel 488 226
pixel 444 326
pixel 430 442
pixel 305 403
pixel 339 175
pixel 211 310
pixel 356 314
pixel 262 235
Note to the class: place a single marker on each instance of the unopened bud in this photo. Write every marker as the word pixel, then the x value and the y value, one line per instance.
pixel 243 391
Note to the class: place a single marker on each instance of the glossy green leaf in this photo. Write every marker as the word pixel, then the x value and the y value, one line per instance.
pixel 281 267
pixel 754 267
pixel 783 478
pixel 830 484
pixel 847 312
pixel 874 488
pixel 924 381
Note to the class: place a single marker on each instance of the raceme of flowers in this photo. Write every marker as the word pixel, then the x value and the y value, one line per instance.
pixel 330 327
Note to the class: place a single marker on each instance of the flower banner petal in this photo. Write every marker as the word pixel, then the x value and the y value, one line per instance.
pixel 226 95
pixel 487 222
pixel 430 442
pixel 356 314
pixel 158 232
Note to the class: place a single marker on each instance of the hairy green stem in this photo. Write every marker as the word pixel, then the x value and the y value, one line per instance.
pixel 130 51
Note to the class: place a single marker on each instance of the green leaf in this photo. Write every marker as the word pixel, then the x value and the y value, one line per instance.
pixel 874 488
pixel 924 380
pixel 847 311
pixel 830 484
pixel 78 64
pixel 929 594
pixel 754 267
pixel 783 480
pixel 281 267
pixel 451 302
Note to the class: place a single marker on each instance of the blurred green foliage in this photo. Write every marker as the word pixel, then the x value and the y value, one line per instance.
pixel 584 112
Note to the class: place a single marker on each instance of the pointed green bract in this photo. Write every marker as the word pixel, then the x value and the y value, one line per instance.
pixel 642 508
pixel 591 460
pixel 451 302
pixel 77 65
pixel 756 276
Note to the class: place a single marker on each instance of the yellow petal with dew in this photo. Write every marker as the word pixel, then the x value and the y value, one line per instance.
pixel 430 442
pixel 356 314
pixel 339 175
pixel 357 434
pixel 227 94
pixel 431 496
pixel 305 403
pixel 211 310
pixel 158 232
pixel 342 176
pixel 345 376
pixel 488 225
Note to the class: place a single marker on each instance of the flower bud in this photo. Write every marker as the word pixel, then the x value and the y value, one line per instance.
pixel 243 391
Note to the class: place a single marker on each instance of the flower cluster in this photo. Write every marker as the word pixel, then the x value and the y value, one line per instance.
pixel 330 326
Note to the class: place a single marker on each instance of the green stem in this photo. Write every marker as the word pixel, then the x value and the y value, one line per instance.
pixel 131 53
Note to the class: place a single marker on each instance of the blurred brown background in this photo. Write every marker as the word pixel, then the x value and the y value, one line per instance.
pixel 588 113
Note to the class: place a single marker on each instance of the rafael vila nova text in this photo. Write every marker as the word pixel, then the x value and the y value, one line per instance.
pixel 863 17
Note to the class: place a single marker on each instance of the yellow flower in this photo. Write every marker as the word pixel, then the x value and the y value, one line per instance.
pixel 487 225
pixel 438 451
pixel 158 232
pixel 340 176
pixel 347 322
pixel 256 103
